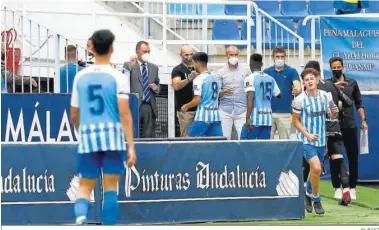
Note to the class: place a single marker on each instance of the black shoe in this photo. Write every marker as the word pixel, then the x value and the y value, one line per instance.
pixel 308 204
pixel 318 208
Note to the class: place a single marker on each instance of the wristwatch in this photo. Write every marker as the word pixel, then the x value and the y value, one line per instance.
pixel 364 119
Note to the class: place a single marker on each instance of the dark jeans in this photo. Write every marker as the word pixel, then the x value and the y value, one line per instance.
pixel 350 140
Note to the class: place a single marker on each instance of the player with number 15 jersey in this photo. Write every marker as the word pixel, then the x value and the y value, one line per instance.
pixel 206 92
pixel 260 88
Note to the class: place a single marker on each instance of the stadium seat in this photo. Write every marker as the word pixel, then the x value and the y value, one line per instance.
pixel 280 36
pixel 182 9
pixel 373 7
pixel 212 9
pixel 316 7
pixel 270 7
pixel 294 9
pixel 305 32
pixel 239 10
pixel 253 33
pixel 226 30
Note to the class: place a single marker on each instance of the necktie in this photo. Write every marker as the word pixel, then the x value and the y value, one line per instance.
pixel 145 84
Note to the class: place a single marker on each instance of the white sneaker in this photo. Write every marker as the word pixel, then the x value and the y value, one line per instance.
pixel 338 194
pixel 353 194
pixel 81 220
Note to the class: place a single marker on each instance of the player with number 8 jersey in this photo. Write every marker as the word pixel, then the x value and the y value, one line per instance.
pixel 206 92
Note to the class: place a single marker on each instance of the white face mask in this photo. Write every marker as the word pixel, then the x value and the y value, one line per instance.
pixel 279 63
pixel 145 57
pixel 233 60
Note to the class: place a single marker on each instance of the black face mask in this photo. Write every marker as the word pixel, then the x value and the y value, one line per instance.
pixel 337 73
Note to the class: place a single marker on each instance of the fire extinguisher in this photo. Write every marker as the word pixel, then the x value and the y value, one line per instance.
pixel 9 37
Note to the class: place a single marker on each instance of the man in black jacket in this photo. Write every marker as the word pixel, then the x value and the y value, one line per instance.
pixel 347 121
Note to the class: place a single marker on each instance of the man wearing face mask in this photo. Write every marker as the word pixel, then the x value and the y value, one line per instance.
pixel 289 84
pixel 182 81
pixel 232 96
pixel 144 80
pixel 347 121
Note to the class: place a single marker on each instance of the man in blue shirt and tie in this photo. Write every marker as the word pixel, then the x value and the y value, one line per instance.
pixel 144 81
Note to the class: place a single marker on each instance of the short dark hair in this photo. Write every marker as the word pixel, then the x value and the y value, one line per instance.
pixel 139 44
pixel 334 59
pixel 278 49
pixel 314 65
pixel 102 41
pixel 309 71
pixel 256 58
pixel 201 58
pixel 70 50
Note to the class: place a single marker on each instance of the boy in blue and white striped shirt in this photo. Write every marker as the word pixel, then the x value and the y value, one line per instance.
pixel 260 88
pixel 206 91
pixel 309 113
pixel 100 112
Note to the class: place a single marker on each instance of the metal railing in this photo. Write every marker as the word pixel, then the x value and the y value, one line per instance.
pixel 174 31
pixel 35 56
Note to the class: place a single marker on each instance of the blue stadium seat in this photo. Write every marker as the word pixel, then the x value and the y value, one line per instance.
pixel 226 30
pixel 271 7
pixel 181 9
pixel 373 7
pixel 212 9
pixel 294 9
pixel 305 32
pixel 280 36
pixel 239 10
pixel 253 33
pixel 316 7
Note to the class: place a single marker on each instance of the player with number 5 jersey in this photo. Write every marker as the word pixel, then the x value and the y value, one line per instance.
pixel 101 114
pixel 206 92
pixel 260 88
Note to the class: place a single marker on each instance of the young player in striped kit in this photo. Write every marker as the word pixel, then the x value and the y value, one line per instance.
pixel 260 88
pixel 309 114
pixel 338 171
pixel 206 91
pixel 100 112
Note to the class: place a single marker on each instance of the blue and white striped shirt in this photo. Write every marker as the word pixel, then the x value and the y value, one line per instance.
pixel 95 92
pixel 264 87
pixel 207 86
pixel 313 112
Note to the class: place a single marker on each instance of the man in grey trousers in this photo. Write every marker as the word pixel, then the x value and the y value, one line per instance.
pixel 144 80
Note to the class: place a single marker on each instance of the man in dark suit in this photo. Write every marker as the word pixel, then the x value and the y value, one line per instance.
pixel 144 80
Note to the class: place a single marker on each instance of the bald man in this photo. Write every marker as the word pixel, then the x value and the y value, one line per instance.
pixel 182 81
pixel 233 97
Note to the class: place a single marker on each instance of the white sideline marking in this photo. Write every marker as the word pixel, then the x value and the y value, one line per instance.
pixel 157 201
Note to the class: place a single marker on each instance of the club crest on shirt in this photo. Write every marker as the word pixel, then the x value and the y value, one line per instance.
pixel 247 84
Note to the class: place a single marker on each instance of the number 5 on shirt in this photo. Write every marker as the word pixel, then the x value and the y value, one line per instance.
pixel 95 97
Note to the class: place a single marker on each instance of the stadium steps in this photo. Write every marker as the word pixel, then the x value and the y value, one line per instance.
pixel 194 31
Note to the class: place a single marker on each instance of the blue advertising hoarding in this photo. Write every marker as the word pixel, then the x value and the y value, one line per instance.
pixel 43 117
pixel 172 182
pixel 355 40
